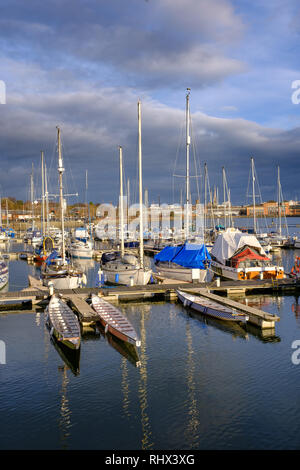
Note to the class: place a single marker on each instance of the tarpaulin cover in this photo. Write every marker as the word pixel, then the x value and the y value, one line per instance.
pixel 231 241
pixel 247 253
pixel 168 253
pixel 189 255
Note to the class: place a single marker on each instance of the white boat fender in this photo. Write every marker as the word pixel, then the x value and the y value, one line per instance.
pixel 106 328
pixel 51 331
pixel 84 280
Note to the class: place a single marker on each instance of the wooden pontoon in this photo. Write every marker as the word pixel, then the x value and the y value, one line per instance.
pixel 211 308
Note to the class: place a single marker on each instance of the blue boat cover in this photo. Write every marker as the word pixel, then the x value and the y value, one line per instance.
pixel 168 253
pixel 189 255
pixel 51 257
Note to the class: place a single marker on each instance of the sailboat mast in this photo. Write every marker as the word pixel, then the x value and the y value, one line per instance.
pixel 224 196
pixel 279 200
pixel 205 200
pixel 253 192
pixel 32 197
pixel 47 201
pixel 188 142
pixel 121 208
pixel 61 196
pixel 43 195
pixel 141 251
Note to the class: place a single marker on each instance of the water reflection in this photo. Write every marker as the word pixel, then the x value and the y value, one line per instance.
pixel 70 357
pixel 192 433
pixel 235 329
pixel 125 387
pixel 65 412
pixel 296 309
pixel 145 421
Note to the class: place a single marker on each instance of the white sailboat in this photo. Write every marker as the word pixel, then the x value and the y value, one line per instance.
pixel 81 245
pixel 189 261
pixel 57 270
pixel 127 269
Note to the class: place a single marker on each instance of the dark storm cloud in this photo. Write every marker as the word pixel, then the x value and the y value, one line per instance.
pixel 83 65
pixel 161 44
pixel 94 125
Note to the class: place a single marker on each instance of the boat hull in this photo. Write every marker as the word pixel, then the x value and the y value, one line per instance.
pixel 241 274
pixel 130 276
pixel 63 324
pixel 114 321
pixel 211 309
pixel 181 274
pixel 83 254
pixel 4 275
pixel 64 282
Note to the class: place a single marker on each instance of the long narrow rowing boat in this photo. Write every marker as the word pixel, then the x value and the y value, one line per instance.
pixel 63 323
pixel 114 321
pixel 210 308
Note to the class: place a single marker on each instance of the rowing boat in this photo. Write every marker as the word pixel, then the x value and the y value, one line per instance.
pixel 210 308
pixel 114 321
pixel 63 323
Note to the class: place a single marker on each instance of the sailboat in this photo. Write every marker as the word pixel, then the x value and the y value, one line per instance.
pixel 57 269
pixel 81 245
pixel 277 239
pixel 46 246
pixel 127 269
pixel 189 261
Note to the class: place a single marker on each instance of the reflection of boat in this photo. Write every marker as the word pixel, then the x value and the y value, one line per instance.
pixel 127 350
pixel 235 329
pixel 210 308
pixel 114 321
pixel 70 357
pixel 63 323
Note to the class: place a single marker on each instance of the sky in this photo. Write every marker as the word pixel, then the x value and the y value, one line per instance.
pixel 83 65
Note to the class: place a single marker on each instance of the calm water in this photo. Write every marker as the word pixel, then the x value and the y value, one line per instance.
pixel 200 385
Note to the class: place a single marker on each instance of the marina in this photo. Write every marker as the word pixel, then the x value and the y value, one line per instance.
pixel 149 229
pixel 136 383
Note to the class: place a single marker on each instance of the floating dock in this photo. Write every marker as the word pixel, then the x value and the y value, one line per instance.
pixel 36 293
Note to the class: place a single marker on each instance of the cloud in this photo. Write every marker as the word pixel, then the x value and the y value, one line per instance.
pixel 167 44
pixel 95 122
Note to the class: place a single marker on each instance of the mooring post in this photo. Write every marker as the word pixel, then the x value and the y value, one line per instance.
pixel 51 288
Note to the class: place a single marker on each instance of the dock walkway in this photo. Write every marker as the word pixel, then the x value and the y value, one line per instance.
pixel 39 294
pixel 256 316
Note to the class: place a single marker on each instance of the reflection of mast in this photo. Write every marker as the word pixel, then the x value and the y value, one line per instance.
pixel 146 431
pixel 65 413
pixel 193 423
pixel 125 386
